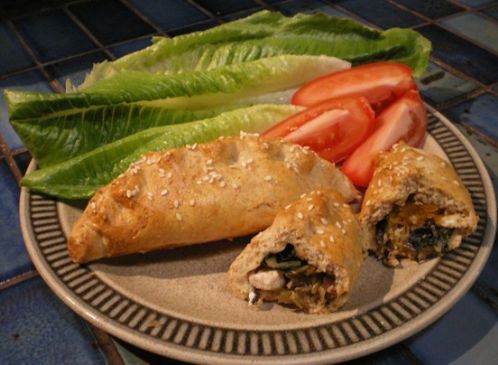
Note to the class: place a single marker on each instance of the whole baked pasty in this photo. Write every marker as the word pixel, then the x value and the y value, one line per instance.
pixel 226 188
pixel 309 258
pixel 417 205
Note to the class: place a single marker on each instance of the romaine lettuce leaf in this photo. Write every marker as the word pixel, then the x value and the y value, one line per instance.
pixel 268 34
pixel 60 137
pixel 81 176
pixel 193 90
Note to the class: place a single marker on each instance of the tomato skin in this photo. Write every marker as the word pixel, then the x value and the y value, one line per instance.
pixel 379 82
pixel 333 128
pixel 405 119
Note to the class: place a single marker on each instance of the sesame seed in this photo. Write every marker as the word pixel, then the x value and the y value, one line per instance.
pixel 164 192
pixel 302 196
pixel 338 224
pixel 199 182
pixel 250 161
pixel 235 186
pixel 300 215
pixel 176 203
pixel 345 205
pixel 320 231
pixel 287 207
pixel 170 175
pixel 149 195
pixel 331 239
pixel 268 178
pixel 322 243
pixel 336 205
pixel 209 162
pixel 293 148
pixel 178 216
pixel 343 231
pixel 455 182
pixel 420 158
pixel 191 202
pixel 310 207
pixel 324 220
pixel 94 206
pixel 443 164
pixel 265 145
pixel 222 184
pixel 244 164
pixel 162 172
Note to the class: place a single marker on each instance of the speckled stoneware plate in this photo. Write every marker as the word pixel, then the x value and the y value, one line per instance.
pixel 175 303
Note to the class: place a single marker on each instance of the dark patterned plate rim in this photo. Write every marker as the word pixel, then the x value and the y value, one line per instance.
pixel 344 339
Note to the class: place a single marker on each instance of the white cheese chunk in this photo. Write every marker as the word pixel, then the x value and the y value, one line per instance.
pixel 267 280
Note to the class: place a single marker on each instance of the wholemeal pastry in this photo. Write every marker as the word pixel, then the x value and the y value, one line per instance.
pixel 230 187
pixel 417 205
pixel 309 258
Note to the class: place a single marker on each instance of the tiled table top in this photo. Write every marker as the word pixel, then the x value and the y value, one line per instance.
pixel 46 42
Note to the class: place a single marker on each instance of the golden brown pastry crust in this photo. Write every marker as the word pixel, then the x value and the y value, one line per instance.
pixel 405 171
pixel 226 188
pixel 324 232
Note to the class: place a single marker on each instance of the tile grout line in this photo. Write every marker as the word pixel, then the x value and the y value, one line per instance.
pixel 207 12
pixel 412 358
pixel 484 296
pixel 9 159
pixel 144 18
pixel 106 345
pixel 18 279
pixel 53 83
pixel 87 32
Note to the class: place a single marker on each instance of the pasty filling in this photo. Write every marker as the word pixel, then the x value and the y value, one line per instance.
pixel 288 280
pixel 413 231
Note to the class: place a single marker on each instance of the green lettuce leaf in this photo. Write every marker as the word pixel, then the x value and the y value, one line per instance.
pixel 268 34
pixel 60 137
pixel 81 176
pixel 199 89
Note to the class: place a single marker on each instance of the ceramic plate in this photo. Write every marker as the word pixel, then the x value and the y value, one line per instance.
pixel 175 303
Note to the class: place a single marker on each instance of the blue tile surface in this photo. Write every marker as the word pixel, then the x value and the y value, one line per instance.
pixel 52 35
pixel 313 6
pixel 76 68
pixel 14 260
pixel 223 7
pixel 465 335
pixel 432 9
pixel 381 13
pixel 475 3
pixel 171 14
pixel 131 46
pixel 110 21
pixel 13 55
pixel 438 86
pixel 491 11
pixel 475 27
pixel 479 113
pixel 461 54
pixel 37 328
pixel 194 28
pixel 31 80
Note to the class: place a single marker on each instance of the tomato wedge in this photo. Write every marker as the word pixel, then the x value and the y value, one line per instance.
pixel 333 128
pixel 405 119
pixel 379 82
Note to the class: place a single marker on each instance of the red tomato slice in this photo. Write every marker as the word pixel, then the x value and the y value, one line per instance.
pixel 333 128
pixel 378 82
pixel 405 119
